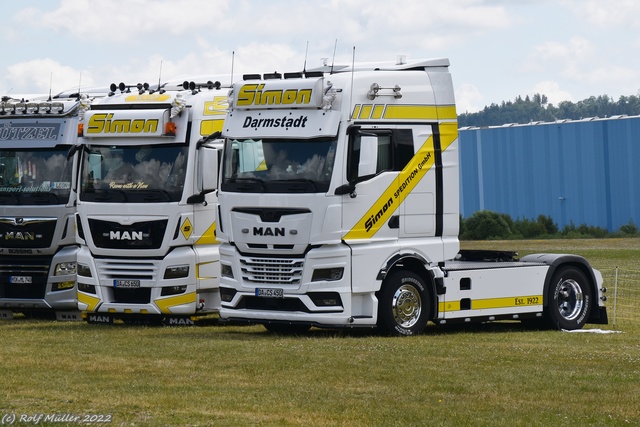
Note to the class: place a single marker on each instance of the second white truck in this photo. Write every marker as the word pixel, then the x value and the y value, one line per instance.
pixel 146 204
pixel 339 207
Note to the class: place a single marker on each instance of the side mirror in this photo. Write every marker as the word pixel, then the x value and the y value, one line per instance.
pixel 368 156
pixel 208 159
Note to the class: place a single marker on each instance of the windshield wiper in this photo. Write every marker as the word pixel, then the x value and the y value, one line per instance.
pixel 247 184
pixel 8 198
pixel 42 198
pixel 298 184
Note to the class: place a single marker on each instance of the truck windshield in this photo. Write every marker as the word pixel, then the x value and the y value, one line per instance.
pixel 35 177
pixel 133 174
pixel 278 165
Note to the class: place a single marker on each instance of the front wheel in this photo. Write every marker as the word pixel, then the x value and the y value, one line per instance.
pixel 403 306
pixel 569 299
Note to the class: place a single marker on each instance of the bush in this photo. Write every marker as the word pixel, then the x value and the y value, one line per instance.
pixel 484 225
pixel 630 229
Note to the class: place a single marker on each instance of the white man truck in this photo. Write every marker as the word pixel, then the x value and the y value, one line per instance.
pixel 339 207
pixel 37 234
pixel 146 204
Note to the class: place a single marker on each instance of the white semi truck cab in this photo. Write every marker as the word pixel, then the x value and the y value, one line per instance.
pixel 146 204
pixel 37 234
pixel 339 207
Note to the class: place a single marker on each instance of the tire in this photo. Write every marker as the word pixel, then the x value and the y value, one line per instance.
pixel 403 305
pixel 568 299
pixel 287 328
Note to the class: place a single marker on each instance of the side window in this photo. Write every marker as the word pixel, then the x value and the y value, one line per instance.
pixel 393 150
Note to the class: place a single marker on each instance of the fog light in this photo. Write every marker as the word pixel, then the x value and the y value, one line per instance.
pixel 173 290
pixel 62 285
pixel 84 270
pixel 176 272
pixel 89 289
pixel 226 270
pixel 227 294
pixel 65 268
pixel 325 299
pixel 329 274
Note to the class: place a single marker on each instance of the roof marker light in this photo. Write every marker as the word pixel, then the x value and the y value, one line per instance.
pixel 32 107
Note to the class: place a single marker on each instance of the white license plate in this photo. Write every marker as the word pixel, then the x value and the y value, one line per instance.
pixel 120 283
pixel 21 279
pixel 270 293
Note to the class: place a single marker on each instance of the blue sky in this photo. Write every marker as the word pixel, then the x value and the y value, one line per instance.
pixel 499 49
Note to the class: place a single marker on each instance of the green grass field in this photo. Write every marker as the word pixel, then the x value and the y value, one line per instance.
pixel 499 374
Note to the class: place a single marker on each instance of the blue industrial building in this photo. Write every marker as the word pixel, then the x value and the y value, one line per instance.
pixel 576 172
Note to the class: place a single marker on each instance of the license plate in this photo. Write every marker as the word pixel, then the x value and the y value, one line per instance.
pixel 270 293
pixel 120 283
pixel 21 279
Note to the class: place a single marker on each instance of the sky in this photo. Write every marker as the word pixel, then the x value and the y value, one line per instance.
pixel 568 50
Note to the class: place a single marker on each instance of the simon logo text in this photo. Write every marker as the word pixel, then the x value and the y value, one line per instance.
pixel 254 94
pixel 105 123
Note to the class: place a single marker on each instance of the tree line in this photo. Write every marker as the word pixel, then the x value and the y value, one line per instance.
pixel 537 108
pixel 490 225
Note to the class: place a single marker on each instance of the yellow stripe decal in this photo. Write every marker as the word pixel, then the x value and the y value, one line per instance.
pixel 164 304
pixel 419 112
pixel 377 112
pixel 406 181
pixel 91 302
pixel 365 112
pixel 493 303
pixel 209 236
pixel 356 111
pixel 404 112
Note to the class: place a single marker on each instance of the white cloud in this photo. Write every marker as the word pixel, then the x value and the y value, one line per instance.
pixel 565 56
pixel 125 20
pixel 607 14
pixel 553 92
pixel 43 75
pixel 468 99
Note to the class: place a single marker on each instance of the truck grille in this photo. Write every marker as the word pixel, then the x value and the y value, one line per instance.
pixel 280 271
pixel 140 235
pixel 35 267
pixel 127 269
pixel 36 233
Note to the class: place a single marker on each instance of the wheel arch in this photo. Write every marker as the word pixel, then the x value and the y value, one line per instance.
pixel 417 264
pixel 556 261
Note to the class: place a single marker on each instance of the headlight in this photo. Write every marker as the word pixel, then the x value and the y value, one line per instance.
pixel 226 270
pixel 65 268
pixel 176 272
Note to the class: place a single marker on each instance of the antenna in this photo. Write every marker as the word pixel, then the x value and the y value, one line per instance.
pixel 233 59
pixel 160 76
pixel 334 55
pixel 50 83
pixel 79 84
pixel 306 51
pixel 353 65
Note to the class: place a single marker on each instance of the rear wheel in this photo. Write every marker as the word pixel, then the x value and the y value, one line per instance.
pixel 403 306
pixel 568 299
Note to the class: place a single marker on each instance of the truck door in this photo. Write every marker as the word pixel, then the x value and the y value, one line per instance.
pixel 385 169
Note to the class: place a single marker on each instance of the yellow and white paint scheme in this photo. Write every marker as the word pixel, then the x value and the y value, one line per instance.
pixel 334 243
pixel 179 274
